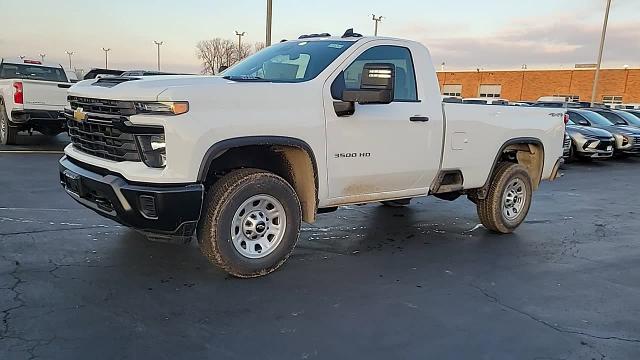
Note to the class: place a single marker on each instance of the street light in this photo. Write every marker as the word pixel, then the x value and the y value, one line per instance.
pixel 377 20
pixel 604 34
pixel 240 35
pixel 158 43
pixel 106 57
pixel 42 56
pixel 269 22
pixel 70 53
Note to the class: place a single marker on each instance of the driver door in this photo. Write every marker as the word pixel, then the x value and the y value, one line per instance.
pixel 382 151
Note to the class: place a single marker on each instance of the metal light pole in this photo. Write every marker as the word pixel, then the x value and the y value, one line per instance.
pixel 240 35
pixel 602 37
pixel 42 56
pixel 106 57
pixel 377 20
pixel 158 43
pixel 269 22
pixel 70 53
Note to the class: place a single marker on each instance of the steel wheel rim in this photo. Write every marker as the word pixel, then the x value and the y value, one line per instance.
pixel 258 226
pixel 514 199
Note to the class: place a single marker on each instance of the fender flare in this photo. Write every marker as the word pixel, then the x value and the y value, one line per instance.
pixel 519 140
pixel 219 148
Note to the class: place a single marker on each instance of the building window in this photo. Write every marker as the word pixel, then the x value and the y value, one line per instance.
pixel 574 98
pixel 452 90
pixel 490 91
pixel 612 99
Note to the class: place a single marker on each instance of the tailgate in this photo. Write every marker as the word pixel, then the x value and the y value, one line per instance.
pixel 44 95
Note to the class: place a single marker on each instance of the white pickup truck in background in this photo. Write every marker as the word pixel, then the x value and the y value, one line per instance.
pixel 32 97
pixel 295 130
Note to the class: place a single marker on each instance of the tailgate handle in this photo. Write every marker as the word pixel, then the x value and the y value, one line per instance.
pixel 64 86
pixel 419 118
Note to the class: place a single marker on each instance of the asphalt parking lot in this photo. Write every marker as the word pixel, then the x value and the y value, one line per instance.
pixel 364 283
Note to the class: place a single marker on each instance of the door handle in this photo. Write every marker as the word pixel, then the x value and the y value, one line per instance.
pixel 419 118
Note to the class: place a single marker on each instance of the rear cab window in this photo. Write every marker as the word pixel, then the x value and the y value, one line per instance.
pixel 31 72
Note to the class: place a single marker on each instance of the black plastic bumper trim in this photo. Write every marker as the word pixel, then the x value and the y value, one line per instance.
pixel 177 207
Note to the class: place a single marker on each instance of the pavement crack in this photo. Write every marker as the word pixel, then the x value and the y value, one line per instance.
pixel 48 230
pixel 557 328
pixel 17 297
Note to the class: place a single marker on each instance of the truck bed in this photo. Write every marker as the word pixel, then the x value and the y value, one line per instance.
pixel 476 134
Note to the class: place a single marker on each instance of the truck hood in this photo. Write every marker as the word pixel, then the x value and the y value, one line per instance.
pixel 138 88
pixel 588 131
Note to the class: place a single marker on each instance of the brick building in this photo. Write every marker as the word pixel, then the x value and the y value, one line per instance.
pixel 615 86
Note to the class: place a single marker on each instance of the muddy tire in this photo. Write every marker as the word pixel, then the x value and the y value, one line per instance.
pixel 8 133
pixel 508 199
pixel 250 223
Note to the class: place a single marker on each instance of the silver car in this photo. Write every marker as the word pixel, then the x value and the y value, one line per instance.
pixel 589 142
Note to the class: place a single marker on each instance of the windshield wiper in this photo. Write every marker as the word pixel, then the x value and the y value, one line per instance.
pixel 245 78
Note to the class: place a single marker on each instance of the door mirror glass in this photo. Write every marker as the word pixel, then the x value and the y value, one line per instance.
pixel 583 122
pixel 376 85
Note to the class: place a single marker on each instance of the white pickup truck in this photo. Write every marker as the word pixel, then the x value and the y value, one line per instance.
pixel 32 97
pixel 298 129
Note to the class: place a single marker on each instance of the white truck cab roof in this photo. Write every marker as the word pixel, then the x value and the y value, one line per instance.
pixel 31 62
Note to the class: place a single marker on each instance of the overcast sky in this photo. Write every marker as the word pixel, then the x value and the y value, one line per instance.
pixel 465 34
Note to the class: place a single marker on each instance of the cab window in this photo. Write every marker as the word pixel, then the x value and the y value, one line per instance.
pixel 405 83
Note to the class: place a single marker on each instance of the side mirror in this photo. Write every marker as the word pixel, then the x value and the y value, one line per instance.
pixel 583 123
pixel 376 85
pixel 222 68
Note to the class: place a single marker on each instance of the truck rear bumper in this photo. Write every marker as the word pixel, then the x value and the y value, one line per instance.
pixel 171 211
pixel 25 116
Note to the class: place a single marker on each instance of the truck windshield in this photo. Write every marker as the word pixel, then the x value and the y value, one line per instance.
pixel 291 61
pixel 31 72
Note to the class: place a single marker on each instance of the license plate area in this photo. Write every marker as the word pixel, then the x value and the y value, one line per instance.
pixel 73 183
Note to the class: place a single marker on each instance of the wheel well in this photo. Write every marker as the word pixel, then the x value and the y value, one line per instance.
pixel 292 163
pixel 528 154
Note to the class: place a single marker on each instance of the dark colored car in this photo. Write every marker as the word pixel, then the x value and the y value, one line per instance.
pixel 627 138
pixel 634 112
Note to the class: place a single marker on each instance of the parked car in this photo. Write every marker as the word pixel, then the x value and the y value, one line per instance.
pixel 485 101
pixel 619 117
pixel 627 137
pixel 97 73
pixel 635 113
pixel 297 129
pixel 32 97
pixel 588 142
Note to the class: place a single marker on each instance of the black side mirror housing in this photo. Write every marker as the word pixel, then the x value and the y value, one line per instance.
pixel 222 68
pixel 376 85
pixel 583 123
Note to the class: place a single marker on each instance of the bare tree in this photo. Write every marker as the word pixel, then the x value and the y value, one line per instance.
pixel 219 52
pixel 211 53
pixel 258 46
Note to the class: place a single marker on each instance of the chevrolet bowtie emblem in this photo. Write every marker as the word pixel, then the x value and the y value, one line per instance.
pixel 79 115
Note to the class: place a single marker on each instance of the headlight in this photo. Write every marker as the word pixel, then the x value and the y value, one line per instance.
pixel 163 107
pixel 153 147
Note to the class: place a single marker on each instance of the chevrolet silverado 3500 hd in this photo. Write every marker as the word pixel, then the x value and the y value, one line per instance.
pixel 300 128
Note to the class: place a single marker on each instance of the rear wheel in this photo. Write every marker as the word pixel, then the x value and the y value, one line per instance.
pixel 250 223
pixel 508 200
pixel 8 133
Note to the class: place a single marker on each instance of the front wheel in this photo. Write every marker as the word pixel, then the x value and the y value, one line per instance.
pixel 250 223
pixel 508 200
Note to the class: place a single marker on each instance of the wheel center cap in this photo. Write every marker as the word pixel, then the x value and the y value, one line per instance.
pixel 261 227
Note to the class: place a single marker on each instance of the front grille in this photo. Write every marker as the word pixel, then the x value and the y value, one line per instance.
pixel 636 142
pixel 103 140
pixel 604 145
pixel 98 107
pixel 567 142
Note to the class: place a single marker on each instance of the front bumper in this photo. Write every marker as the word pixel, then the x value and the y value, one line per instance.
pixel 169 210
